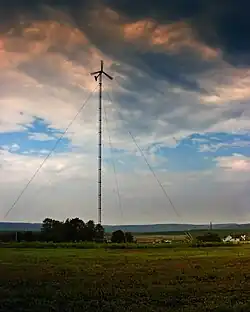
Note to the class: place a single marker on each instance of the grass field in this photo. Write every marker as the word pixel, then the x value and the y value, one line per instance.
pixel 154 238
pixel 170 279
pixel 182 236
pixel 221 232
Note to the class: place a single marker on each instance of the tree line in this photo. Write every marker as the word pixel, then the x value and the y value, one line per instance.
pixel 70 230
pixel 209 237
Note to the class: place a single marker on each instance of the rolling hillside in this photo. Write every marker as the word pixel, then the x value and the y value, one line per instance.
pixel 147 228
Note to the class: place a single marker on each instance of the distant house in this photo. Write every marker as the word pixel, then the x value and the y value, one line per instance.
pixel 234 238
pixel 167 241
pixel 230 239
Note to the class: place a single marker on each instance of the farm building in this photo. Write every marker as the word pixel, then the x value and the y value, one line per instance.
pixel 234 238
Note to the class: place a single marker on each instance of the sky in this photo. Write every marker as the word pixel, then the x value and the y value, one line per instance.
pixel 181 91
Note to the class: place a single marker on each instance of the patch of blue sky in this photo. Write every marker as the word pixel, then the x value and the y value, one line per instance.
pixel 224 144
pixel 184 158
pixel 28 140
pixel 215 137
pixel 198 151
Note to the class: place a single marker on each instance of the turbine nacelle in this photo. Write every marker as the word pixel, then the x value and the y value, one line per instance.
pixel 97 74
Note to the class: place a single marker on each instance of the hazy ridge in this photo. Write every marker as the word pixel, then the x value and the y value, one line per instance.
pixel 147 228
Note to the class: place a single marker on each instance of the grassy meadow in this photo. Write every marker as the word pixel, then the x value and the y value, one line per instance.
pixel 150 238
pixel 180 235
pixel 146 279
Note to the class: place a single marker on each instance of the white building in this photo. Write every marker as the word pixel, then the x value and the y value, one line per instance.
pixel 232 239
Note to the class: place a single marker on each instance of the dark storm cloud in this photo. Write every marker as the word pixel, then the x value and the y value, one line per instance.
pixel 173 68
pixel 162 10
pixel 180 68
pixel 223 24
pixel 161 65
pixel 220 24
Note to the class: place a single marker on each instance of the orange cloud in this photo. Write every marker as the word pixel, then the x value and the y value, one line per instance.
pixel 171 37
pixel 138 29
pixel 236 162
pixel 1 46
pixel 38 37
pixel 53 33
pixel 36 41
pixel 42 49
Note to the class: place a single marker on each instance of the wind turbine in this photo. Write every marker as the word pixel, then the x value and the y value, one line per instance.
pixel 98 74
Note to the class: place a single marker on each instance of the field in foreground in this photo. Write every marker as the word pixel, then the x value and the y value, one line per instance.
pixel 179 279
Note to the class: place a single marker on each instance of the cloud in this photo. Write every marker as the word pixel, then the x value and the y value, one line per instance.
pixel 174 76
pixel 236 162
pixel 172 38
pixel 74 176
pixel 15 147
pixel 227 145
pixel 216 24
pixel 229 84
pixel 40 137
pixel 12 148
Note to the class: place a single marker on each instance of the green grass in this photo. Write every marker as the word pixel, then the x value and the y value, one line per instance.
pixel 85 245
pixel 93 245
pixel 157 279
pixel 221 232
pixel 181 235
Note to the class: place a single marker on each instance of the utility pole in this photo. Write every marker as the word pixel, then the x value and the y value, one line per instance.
pixel 98 74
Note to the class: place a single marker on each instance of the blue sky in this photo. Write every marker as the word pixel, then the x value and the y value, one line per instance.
pixel 37 138
pixel 189 154
pixel 193 153
pixel 181 87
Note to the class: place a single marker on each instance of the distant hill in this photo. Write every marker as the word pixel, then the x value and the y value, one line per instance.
pixel 160 228
pixel 147 228
pixel 19 226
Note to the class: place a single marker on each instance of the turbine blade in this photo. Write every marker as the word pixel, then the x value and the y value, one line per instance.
pixel 111 78
pixel 94 73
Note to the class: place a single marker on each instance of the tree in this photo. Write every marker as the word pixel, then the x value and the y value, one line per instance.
pixel 118 237
pixel 57 231
pixel 47 229
pixel 28 236
pixel 46 225
pixel 72 230
pixel 90 230
pixel 129 238
pixel 209 237
pixel 99 233
pixel 52 230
